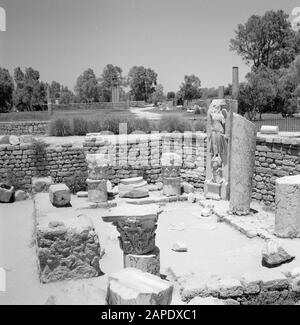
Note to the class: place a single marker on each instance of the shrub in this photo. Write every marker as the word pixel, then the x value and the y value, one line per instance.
pixel 80 126
pixel 173 123
pixel 77 182
pixel 60 127
pixel 200 126
pixel 12 180
pixel 141 124
pixel 94 126
pixel 111 124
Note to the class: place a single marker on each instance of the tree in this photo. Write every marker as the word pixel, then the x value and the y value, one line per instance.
pixel 142 82
pixel 110 77
pixel 55 89
pixel 257 95
pixel 209 93
pixel 87 88
pixel 158 95
pixel 66 96
pixel 190 88
pixel 171 95
pixel 6 90
pixel 267 40
pixel 30 93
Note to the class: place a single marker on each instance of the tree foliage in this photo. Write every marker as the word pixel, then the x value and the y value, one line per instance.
pixel 158 95
pixel 142 82
pixel 87 87
pixel 110 77
pixel 30 93
pixel 190 88
pixel 267 40
pixel 6 90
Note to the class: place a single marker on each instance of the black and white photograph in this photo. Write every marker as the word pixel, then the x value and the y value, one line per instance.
pixel 149 155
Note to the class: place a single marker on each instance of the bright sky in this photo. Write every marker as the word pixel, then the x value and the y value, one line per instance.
pixel 62 38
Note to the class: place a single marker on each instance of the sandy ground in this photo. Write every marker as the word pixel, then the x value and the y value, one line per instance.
pixel 214 249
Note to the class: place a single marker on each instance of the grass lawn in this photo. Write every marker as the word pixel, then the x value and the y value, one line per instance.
pixel 70 114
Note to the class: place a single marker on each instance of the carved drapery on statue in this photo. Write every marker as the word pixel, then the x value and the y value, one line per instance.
pixel 219 118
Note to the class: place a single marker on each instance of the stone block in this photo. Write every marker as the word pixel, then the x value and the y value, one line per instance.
pixel 269 129
pixel 41 184
pixel 6 193
pixel 149 262
pixel 287 200
pixel 67 250
pixel 132 286
pixel 133 188
pixel 97 190
pixel 20 195
pixel 171 186
pixel 60 195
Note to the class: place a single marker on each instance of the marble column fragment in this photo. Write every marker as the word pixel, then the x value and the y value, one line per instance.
pixel 243 144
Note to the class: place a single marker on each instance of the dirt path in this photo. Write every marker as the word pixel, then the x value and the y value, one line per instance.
pixel 143 112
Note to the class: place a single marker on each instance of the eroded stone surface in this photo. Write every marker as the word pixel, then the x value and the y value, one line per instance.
pixel 136 225
pixel 97 190
pixel 149 262
pixel 68 250
pixel 41 184
pixel 60 195
pixel 171 186
pixel 287 214
pixel 131 286
pixel 20 195
pixel 133 188
pixel 273 254
pixel 242 160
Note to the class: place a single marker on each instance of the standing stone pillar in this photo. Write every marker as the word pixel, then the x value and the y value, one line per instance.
pixel 235 82
pixel 287 199
pixel 219 124
pixel 97 178
pixel 137 226
pixel 171 174
pixel 243 144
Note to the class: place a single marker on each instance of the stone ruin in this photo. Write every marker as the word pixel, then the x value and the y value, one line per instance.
pixel 137 226
pixel 231 154
pixel 131 286
pixel 287 214
pixel 97 177
pixel 67 249
pixel 171 174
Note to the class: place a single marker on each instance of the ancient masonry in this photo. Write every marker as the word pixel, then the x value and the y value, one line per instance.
pixel 24 128
pixel 137 226
pixel 274 157
pixel 67 244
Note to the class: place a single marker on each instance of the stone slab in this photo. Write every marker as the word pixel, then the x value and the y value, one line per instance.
pixel 131 286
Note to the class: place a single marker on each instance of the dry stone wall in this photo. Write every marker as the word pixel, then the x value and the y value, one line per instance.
pixel 274 157
pixel 24 128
